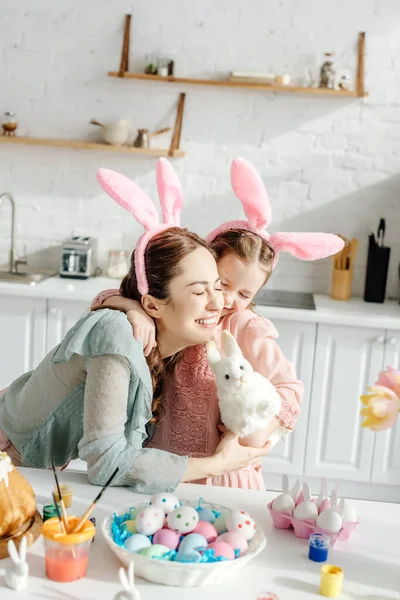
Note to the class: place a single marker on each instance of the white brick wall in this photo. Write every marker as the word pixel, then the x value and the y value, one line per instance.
pixel 329 164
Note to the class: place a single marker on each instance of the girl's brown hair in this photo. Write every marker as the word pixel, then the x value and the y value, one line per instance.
pixel 163 256
pixel 247 246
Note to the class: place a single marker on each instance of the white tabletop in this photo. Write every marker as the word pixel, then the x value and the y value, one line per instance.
pixel 370 560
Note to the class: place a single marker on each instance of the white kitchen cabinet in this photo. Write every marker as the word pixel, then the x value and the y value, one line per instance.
pixel 297 342
pixel 61 316
pixel 346 358
pixel 386 463
pixel 22 336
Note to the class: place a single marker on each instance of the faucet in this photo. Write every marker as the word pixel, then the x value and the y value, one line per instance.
pixel 13 261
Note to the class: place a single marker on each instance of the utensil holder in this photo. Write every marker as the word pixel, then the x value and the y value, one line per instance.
pixel 377 271
pixel 342 280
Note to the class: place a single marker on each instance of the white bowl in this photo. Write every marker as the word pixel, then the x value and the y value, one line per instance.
pixel 177 573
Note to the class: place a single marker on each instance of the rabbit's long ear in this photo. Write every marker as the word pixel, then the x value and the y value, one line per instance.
pixel 307 246
pixel 129 195
pixel 213 355
pixel 170 192
pixel 285 484
pixel 334 500
pixel 131 574
pixel 124 580
pixel 12 551
pixel 249 188
pixel 22 550
pixel 295 490
pixel 306 492
pixel 229 345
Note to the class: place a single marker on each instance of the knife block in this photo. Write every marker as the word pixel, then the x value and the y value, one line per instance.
pixel 342 280
pixel 377 271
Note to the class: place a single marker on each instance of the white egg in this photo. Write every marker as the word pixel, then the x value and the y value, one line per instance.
pixel 183 519
pixel 241 521
pixel 348 513
pixel 306 511
pixel 149 520
pixel 329 521
pixel 284 503
pixel 168 502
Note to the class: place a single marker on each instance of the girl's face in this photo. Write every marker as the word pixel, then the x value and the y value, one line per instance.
pixel 240 281
pixel 193 310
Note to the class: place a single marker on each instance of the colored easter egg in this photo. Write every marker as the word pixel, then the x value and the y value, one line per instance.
pixel 236 541
pixel 154 551
pixel 168 502
pixel 192 541
pixel 149 520
pixel 240 521
pixel 183 519
pixel 137 542
pixel 192 556
pixel 220 523
pixel 167 537
pixel 130 526
pixel 207 530
pixel 134 512
pixel 222 549
pixel 206 514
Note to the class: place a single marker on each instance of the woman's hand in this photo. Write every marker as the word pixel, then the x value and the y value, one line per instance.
pixel 230 455
pixel 259 438
pixel 143 327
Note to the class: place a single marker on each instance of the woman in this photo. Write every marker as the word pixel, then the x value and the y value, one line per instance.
pixel 92 395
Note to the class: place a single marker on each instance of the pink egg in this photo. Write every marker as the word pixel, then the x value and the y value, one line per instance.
pixel 166 537
pixel 207 530
pixel 235 540
pixel 222 549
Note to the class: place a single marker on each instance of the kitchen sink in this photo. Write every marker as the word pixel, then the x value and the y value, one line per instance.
pixel 27 277
pixel 285 299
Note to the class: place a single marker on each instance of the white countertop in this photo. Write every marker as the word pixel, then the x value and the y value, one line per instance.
pixel 370 559
pixel 355 312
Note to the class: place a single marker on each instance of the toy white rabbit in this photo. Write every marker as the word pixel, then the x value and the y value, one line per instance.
pixel 330 520
pixel 247 400
pixel 306 510
pixel 286 501
pixel 16 576
pixel 130 590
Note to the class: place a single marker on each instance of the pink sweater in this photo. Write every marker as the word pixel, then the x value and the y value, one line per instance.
pixel 190 424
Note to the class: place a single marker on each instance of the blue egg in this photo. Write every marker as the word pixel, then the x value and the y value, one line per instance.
pixel 205 514
pixel 193 541
pixel 137 542
pixel 191 556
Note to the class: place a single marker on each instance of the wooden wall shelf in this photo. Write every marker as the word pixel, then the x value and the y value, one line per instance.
pixel 80 145
pixel 238 84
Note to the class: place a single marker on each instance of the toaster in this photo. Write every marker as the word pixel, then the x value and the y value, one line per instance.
pixel 78 255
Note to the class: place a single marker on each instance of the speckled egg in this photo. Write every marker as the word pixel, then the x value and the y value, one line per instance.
pixel 240 521
pixel 192 541
pixel 137 542
pixel 166 501
pixel 183 519
pixel 167 537
pixel 236 541
pixel 207 530
pixel 155 550
pixel 149 520
pixel 206 514
pixel 222 549
pixel 130 526
pixel 220 523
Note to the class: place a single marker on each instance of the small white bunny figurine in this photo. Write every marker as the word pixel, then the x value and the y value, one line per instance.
pixel 306 510
pixel 330 520
pixel 130 590
pixel 247 400
pixel 16 576
pixel 286 501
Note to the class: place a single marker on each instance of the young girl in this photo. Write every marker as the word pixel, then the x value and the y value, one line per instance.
pixel 92 395
pixel 246 255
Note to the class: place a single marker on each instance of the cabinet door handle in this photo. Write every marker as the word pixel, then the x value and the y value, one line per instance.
pixel 380 339
pixel 392 341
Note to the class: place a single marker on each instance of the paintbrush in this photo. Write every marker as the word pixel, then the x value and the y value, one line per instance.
pixel 62 526
pixel 64 512
pixel 91 507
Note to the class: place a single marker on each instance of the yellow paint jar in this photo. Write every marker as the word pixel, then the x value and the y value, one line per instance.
pixel 331 581
pixel 66 493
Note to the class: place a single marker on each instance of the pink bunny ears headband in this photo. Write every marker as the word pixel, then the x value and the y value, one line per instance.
pixel 129 195
pixel 249 188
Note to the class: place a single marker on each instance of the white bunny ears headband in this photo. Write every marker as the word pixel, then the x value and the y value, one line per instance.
pixel 249 188
pixel 129 195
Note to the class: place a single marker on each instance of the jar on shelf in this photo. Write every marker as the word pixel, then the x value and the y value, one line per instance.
pixel 118 264
pixel 9 123
pixel 163 67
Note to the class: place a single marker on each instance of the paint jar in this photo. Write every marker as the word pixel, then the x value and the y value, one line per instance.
pixel 50 511
pixel 331 581
pixel 67 554
pixel 66 494
pixel 318 547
